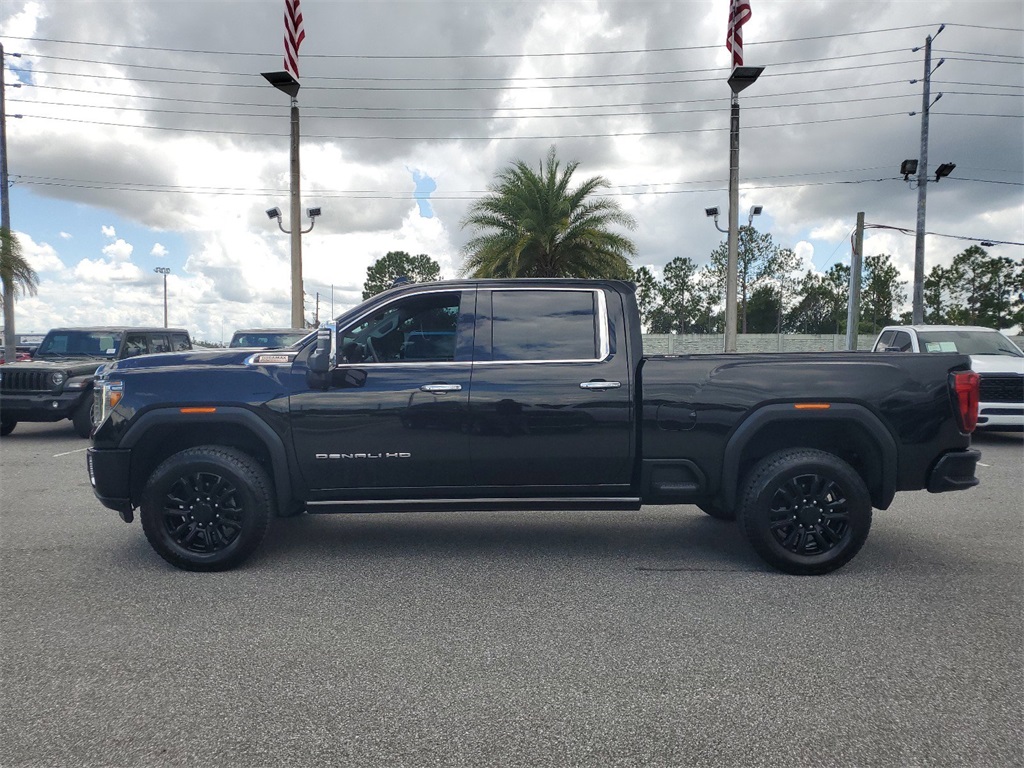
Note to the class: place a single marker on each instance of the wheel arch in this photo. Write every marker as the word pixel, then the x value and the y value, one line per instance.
pixel 847 430
pixel 163 432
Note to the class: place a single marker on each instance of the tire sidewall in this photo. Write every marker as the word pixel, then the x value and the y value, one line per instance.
pixel 251 486
pixel 82 417
pixel 772 473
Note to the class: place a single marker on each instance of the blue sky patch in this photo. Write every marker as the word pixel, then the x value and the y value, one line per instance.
pixel 425 186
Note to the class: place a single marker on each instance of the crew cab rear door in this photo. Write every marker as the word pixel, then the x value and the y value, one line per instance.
pixel 393 415
pixel 551 405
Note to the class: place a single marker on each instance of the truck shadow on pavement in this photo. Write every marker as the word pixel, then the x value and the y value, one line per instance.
pixel 683 539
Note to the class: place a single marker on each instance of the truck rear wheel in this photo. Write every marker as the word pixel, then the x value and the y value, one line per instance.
pixel 206 508
pixel 7 426
pixel 805 511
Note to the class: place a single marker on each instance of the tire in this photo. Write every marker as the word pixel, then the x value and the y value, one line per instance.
pixel 7 426
pixel 715 511
pixel 82 417
pixel 207 508
pixel 805 511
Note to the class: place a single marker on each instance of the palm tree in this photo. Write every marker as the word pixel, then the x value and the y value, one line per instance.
pixel 533 225
pixel 16 276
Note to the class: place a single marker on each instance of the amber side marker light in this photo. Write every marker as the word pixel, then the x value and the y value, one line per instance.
pixel 812 406
pixel 197 410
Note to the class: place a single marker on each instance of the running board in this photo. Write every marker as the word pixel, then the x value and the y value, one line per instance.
pixel 585 503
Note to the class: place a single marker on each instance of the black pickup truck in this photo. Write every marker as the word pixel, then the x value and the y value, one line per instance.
pixel 517 395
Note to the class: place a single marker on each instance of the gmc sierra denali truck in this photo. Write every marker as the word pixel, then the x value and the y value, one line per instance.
pixel 522 395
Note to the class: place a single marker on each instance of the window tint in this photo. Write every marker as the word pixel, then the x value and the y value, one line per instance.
pixel 416 329
pixel 134 344
pixel 158 343
pixel 180 342
pixel 885 340
pixel 543 325
pixel 903 341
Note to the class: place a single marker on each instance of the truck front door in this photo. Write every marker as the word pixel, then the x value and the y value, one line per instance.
pixel 394 413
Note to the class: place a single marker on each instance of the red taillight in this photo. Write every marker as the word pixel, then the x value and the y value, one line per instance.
pixel 966 384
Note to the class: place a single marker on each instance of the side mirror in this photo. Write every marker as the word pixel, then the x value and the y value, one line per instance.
pixel 322 359
pixel 893 349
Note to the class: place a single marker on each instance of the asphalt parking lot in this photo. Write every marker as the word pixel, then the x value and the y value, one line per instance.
pixel 537 639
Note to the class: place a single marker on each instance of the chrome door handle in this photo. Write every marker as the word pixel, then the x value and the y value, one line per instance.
pixel 600 385
pixel 441 388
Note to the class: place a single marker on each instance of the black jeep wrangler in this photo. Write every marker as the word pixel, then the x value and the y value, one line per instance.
pixel 57 383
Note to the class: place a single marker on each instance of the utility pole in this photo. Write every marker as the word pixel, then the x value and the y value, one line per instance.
pixel 9 341
pixel 922 181
pixel 853 309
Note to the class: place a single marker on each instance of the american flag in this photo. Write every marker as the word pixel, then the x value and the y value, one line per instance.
pixel 739 14
pixel 294 34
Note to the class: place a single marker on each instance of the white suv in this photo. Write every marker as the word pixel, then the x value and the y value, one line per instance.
pixel 995 358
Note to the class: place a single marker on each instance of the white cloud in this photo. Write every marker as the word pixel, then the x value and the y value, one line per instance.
pixel 104 272
pixel 108 231
pixel 119 250
pixel 66 236
pixel 42 257
pixel 158 250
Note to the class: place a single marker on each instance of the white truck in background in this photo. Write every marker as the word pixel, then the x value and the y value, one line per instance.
pixel 994 357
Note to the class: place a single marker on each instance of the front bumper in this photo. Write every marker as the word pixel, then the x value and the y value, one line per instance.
pixel 109 475
pixel 41 406
pixel 954 471
pixel 1007 417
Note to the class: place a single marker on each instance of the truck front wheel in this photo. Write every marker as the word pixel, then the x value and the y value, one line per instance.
pixel 206 508
pixel 805 511
pixel 82 418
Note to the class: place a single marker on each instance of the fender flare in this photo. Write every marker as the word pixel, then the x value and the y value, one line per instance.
pixel 225 414
pixel 836 412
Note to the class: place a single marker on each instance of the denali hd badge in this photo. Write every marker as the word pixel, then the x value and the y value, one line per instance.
pixel 382 455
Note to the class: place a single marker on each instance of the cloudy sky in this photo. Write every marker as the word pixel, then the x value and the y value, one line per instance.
pixel 143 135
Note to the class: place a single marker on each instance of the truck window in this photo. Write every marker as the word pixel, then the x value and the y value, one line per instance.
pixel 903 341
pixel 180 342
pixel 884 341
pixel 415 329
pixel 544 325
pixel 158 343
pixel 134 345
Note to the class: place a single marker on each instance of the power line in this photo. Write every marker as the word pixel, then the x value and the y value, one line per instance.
pixel 905 231
pixel 276 111
pixel 618 134
pixel 462 78
pixel 488 109
pixel 503 88
pixel 392 57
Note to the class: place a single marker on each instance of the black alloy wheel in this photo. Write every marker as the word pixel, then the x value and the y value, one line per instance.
pixel 805 511
pixel 206 508
pixel 82 417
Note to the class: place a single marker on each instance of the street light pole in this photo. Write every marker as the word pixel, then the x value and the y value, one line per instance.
pixel 741 78
pixel 284 82
pixel 165 272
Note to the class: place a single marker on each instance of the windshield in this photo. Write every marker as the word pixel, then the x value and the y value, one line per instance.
pixel 968 343
pixel 75 343
pixel 267 339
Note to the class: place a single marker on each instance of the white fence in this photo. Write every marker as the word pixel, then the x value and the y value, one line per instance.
pixel 697 343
